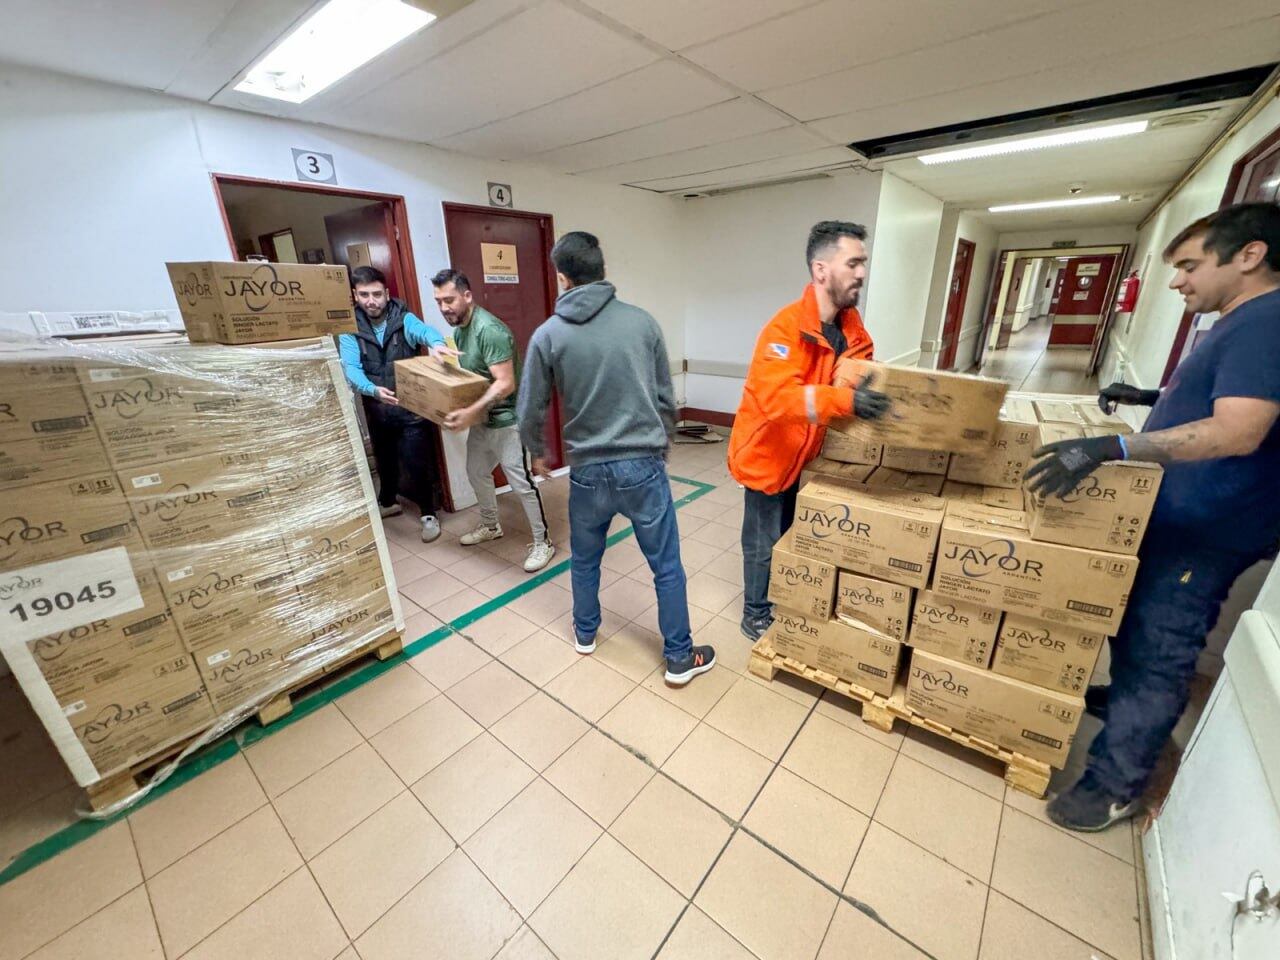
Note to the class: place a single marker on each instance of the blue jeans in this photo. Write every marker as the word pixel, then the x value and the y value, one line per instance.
pixel 638 489
pixel 767 516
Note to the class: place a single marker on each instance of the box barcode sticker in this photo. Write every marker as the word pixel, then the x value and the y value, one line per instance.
pixel 150 480
pixel 50 597
pixel 173 576
pixel 71 709
pixel 217 658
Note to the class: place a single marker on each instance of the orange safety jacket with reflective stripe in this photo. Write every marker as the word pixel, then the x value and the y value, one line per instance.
pixel 788 399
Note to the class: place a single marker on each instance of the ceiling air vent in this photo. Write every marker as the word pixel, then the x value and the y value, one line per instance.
pixel 1183 119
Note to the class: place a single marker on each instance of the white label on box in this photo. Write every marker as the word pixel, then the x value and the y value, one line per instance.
pixel 99 374
pixel 150 480
pixel 173 576
pixel 71 709
pixel 51 597
pixel 301 544
pixel 218 657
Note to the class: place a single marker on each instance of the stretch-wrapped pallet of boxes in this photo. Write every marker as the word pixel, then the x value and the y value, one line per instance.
pixel 928 574
pixel 185 531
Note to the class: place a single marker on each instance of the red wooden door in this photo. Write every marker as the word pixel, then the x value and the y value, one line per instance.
pixel 989 317
pixel 371 225
pixel 1010 311
pixel 522 303
pixel 959 292
pixel 1082 300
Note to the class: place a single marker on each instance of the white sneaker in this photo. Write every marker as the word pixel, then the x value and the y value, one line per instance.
pixel 481 534
pixel 392 511
pixel 540 555
pixel 430 529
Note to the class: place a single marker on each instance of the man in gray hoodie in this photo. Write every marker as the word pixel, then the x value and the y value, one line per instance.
pixel 608 361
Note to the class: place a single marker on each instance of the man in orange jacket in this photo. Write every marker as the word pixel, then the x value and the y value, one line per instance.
pixel 788 400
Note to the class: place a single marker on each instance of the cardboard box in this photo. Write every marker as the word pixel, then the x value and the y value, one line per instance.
pixel 1034 722
pixel 954 629
pixel 929 483
pixel 1108 510
pixel 1047 654
pixel 961 492
pixel 839 649
pixel 31 410
pixel 56 456
pixel 235 303
pixel 345 552
pixel 340 622
pixel 873 605
pixel 1092 414
pixel 913 460
pixel 434 390
pixel 886 533
pixel 250 662
pixel 1004 462
pixel 847 449
pixel 835 469
pixel 932 410
pixel 799 583
pixel 988 557
pixel 1059 411
pixel 62 519
pixel 1004 498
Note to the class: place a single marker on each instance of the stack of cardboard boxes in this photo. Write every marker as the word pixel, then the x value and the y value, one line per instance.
pixel 994 603
pixel 184 528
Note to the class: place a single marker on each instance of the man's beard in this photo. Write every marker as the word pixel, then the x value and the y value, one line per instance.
pixel 844 299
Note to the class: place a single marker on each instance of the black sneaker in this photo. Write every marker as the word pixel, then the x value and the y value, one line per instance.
pixel 1087 808
pixel 699 660
pixel 1096 701
pixel 753 628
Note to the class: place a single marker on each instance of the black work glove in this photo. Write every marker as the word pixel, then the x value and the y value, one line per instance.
pixel 869 404
pixel 1063 464
pixel 1123 393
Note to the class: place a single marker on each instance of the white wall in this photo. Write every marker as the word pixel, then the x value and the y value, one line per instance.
pixel 956 225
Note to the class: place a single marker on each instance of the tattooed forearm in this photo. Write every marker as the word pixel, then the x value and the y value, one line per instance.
pixel 1199 440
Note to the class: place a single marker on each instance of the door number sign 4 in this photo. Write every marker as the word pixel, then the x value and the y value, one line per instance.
pixel 500 195
pixel 314 167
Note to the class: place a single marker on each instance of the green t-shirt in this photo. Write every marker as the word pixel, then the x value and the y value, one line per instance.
pixel 484 341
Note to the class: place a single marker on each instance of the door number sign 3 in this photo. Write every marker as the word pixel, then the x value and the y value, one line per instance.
pixel 314 167
pixel 500 195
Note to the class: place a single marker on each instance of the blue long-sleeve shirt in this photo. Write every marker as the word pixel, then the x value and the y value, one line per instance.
pixel 417 333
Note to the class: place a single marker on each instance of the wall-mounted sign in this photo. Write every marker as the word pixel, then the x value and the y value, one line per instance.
pixel 498 263
pixel 1088 269
pixel 314 167
pixel 1080 296
pixel 500 195
pixel 1063 244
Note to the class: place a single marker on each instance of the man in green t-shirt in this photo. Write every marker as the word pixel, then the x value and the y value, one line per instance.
pixel 486 346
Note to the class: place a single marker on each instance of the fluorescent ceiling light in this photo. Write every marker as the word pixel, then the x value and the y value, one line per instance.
pixel 1063 139
pixel 1047 204
pixel 340 37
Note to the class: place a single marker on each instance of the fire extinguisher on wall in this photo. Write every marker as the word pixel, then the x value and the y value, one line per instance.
pixel 1127 296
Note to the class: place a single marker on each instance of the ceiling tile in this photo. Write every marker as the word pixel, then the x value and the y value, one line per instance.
pixel 761 146
pixel 677 24
pixel 753 172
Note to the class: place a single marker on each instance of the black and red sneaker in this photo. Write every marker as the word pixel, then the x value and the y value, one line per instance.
pixel 699 660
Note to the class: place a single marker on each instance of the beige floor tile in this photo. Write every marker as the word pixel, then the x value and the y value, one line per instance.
pixel 724 632
pixel 525 945
pixel 702 508
pixel 599 776
pixel 289 756
pixel 848 713
pixel 539 730
pixel 949 819
pixel 623 557
pixel 529 845
pixel 645 722
pixel 167 829
pixel 349 954
pixel 1088 892
pixel 332 801
pixel 418 625
pixel 796 689
pixel 410 568
pixel 562 626
pixel 455 605
pixel 672 831
pixel 455 912
pixel 365 872
pixel 854 934
pixel 847 765
pixel 434 732
pixel 813 828
pixel 478 565
pixel 712 593
pixel 634 651
pixel 499 583
pixel 381 702
pixel 749 877
pixel 627 598
pixel 291 920
pixel 213 883
pixel 590 689
pixel 55 896
pixel 719 535
pixel 718 769
pixel 697 697
pixel 933 904
pixel 631 908
pixel 1009 927
pixel 958 762
pixel 543 604
pixel 490 693
pixel 540 658
pixel 431 589
pixel 758 718
pixel 125 930
pixel 472 785
pixel 447 662
pixel 1116 840
pixel 698 937
pixel 698 618
pixel 728 567
pixel 696 555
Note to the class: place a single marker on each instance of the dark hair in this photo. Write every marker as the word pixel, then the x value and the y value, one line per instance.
pixel 1228 231
pixel 450 275
pixel 361 275
pixel 827 234
pixel 578 256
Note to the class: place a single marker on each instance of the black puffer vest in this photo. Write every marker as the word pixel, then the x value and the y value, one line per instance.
pixel 378 359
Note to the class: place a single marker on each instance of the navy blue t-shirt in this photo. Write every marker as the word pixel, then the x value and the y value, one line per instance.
pixel 1232 503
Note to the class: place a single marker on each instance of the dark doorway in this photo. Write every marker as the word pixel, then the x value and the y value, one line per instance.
pixel 956 296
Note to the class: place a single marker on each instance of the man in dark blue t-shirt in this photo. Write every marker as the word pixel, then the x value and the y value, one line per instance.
pixel 1216 429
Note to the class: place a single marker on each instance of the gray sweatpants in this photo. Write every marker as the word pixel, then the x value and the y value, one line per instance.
pixel 487 447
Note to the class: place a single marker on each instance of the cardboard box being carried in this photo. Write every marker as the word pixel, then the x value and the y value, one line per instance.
pixel 1047 654
pixel 235 303
pixel 434 390
pixel 914 460
pixel 800 583
pixel 873 605
pixel 847 449
pixel 1034 722
pixel 929 483
pixel 1108 510
pixel 987 556
pixel 835 469
pixel 839 649
pixel 954 629
pixel 1003 463
pixel 932 410
pixel 886 533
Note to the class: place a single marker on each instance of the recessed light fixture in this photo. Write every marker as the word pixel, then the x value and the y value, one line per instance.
pixel 1047 204
pixel 1066 138
pixel 340 37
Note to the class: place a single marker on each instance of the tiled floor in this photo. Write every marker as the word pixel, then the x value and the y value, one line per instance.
pixel 1031 366
pixel 499 796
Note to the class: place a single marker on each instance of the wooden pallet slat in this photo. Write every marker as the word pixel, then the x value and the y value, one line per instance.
pixel 383 648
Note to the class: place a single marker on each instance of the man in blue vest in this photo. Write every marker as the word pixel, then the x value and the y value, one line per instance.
pixel 387 331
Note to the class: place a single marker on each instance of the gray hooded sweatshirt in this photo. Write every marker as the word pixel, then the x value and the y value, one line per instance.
pixel 608 362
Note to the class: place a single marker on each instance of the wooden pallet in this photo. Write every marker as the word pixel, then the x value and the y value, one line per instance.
pixel 1020 772
pixel 383 648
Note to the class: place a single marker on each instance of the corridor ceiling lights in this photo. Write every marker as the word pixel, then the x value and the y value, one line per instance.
pixel 1044 142
pixel 340 37
pixel 1048 204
